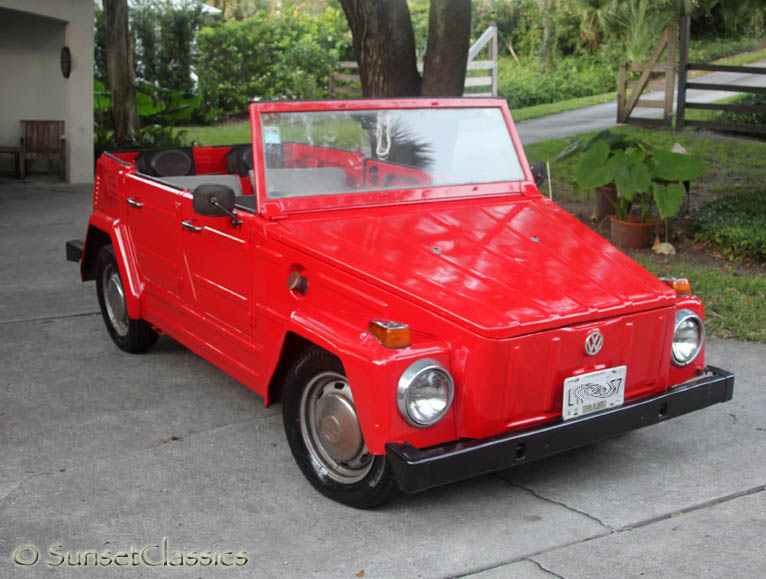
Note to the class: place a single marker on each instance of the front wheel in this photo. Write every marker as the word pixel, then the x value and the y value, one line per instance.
pixel 325 437
pixel 129 334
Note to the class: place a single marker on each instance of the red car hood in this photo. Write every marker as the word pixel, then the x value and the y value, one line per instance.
pixel 500 268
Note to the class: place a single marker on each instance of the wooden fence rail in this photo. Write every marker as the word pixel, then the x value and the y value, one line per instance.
pixel 626 102
pixel 345 82
pixel 684 85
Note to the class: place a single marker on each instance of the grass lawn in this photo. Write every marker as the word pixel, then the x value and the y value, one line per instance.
pixel 742 59
pixel 700 115
pixel 225 134
pixel 735 301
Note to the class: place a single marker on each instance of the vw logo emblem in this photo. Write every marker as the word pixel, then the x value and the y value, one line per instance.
pixel 593 343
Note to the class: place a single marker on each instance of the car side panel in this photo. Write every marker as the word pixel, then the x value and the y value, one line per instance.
pixel 154 221
pixel 221 280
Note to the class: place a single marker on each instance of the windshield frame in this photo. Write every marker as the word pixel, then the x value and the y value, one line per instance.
pixel 276 207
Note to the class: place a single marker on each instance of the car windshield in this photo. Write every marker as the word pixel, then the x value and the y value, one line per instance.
pixel 334 152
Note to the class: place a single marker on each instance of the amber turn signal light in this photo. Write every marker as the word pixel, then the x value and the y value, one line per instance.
pixel 391 334
pixel 680 284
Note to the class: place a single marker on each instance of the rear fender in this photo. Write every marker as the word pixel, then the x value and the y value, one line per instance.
pixel 103 230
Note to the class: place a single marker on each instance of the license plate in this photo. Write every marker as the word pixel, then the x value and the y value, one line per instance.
pixel 594 391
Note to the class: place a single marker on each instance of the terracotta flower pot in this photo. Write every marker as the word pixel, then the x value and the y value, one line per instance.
pixel 632 234
pixel 605 197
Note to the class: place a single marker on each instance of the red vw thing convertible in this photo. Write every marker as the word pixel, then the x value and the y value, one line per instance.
pixel 389 271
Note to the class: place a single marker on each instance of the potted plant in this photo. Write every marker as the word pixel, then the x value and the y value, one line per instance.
pixel 648 183
pixel 606 194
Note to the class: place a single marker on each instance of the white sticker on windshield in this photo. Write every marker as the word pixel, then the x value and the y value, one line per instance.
pixel 271 136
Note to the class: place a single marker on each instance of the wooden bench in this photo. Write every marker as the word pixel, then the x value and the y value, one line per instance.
pixel 43 140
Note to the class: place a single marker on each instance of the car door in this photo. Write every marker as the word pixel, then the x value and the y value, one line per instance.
pixel 153 215
pixel 218 284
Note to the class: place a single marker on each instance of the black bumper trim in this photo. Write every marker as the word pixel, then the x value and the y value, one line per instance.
pixel 416 470
pixel 74 250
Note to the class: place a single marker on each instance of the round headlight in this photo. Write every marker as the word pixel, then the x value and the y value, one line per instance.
pixel 688 337
pixel 424 393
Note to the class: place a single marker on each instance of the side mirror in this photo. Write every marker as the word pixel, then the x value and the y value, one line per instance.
pixel 539 171
pixel 213 200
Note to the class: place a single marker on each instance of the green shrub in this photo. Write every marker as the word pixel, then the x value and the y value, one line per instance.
pixel 745 118
pixel 159 110
pixel 587 74
pixel 524 86
pixel 268 57
pixel 708 49
pixel 735 223
pixel 163 38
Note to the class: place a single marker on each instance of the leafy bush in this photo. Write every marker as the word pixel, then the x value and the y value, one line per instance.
pixel 586 74
pixel 268 56
pixel 524 86
pixel 163 36
pixel 419 18
pixel 519 23
pixel 734 223
pixel 746 118
pixel 708 49
pixel 159 109
pixel 148 137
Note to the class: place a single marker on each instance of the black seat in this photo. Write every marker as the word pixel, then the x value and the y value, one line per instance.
pixel 239 160
pixel 166 162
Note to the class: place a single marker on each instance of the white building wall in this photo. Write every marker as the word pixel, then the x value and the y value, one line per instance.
pixel 32 33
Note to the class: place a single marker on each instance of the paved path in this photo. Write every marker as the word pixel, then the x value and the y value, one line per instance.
pixel 604 116
pixel 102 450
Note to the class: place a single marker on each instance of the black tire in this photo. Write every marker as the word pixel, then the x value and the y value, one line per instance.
pixel 316 391
pixel 129 334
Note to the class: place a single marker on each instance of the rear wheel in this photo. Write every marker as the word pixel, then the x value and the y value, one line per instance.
pixel 131 335
pixel 325 437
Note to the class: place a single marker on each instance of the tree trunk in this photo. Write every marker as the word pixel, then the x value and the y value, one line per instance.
pixel 549 35
pixel 384 45
pixel 119 63
pixel 449 32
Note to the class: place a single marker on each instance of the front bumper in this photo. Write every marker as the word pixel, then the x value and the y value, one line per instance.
pixel 416 470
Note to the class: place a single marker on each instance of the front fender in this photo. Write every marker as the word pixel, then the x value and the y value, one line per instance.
pixel 373 372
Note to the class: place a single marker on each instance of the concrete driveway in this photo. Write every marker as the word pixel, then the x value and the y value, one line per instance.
pixel 103 451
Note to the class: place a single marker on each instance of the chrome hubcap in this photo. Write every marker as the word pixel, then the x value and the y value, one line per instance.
pixel 114 299
pixel 331 430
